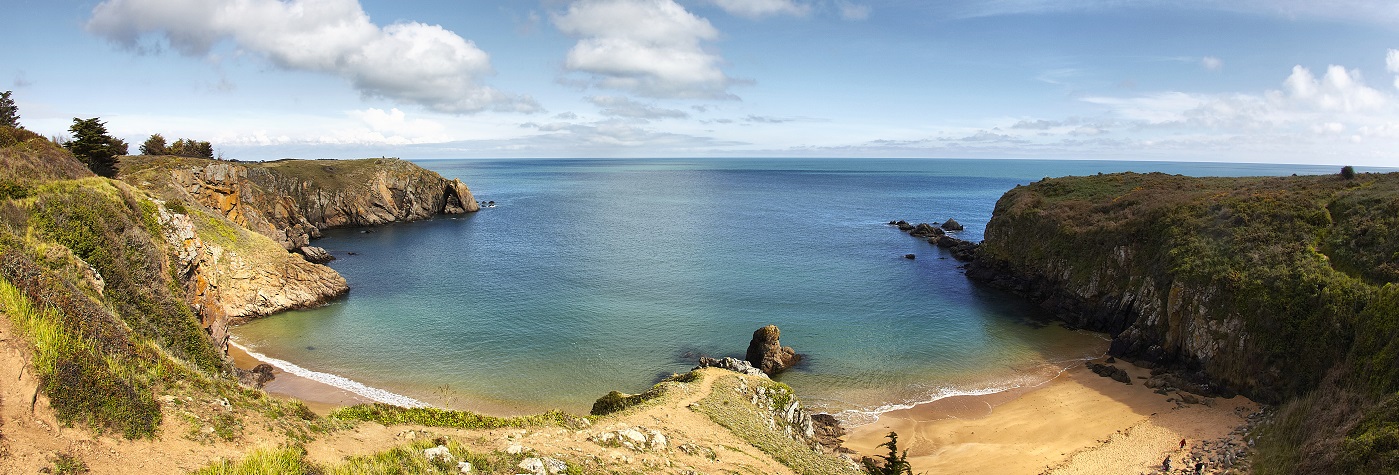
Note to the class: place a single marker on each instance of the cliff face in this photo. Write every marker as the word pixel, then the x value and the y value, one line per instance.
pixel 291 201
pixel 1249 283
pixel 230 224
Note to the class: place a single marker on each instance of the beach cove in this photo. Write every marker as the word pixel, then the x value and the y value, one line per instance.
pixel 1011 381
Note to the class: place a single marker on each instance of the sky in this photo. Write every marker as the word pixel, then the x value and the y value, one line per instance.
pixel 1276 81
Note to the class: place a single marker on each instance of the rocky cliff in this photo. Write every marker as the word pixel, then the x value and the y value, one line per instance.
pixel 230 224
pixel 1257 285
pixel 291 201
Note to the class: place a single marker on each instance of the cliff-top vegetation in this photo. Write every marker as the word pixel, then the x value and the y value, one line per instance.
pixel 1284 288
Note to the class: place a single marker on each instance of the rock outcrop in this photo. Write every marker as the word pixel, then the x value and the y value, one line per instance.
pixel 291 201
pixel 766 353
pixel 236 221
pixel 1222 280
pixel 246 276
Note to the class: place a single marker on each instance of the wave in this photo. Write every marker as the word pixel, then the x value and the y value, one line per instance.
pixel 372 393
pixel 863 416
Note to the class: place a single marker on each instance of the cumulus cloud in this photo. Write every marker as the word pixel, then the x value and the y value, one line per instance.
pixel 762 8
pixel 1212 63
pixel 1338 90
pixel 616 106
pixel 653 48
pixel 408 62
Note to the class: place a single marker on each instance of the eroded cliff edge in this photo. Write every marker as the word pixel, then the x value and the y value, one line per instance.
pixel 231 224
pixel 1261 283
pixel 1281 288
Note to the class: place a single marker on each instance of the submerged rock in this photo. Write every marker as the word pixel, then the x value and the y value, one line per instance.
pixel 767 353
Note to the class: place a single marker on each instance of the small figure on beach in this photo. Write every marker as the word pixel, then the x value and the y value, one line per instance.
pixel 1166 464
pixel 1199 468
pixel 1182 443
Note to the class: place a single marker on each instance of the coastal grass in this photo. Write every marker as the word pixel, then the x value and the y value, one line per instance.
pixel 387 414
pixel 404 459
pixel 727 406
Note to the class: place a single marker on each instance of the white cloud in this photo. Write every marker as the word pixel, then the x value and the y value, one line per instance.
pixel 408 62
pixel 1212 63
pixel 617 106
pixel 762 8
pixel 1339 90
pixel 652 48
pixel 1391 62
pixel 853 11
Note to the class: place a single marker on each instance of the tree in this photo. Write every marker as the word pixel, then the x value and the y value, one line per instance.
pixel 94 147
pixel 154 146
pixel 1348 172
pixel 192 148
pixel 894 463
pixel 9 114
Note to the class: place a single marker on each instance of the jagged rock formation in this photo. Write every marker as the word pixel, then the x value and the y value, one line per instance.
pixel 768 354
pixel 246 276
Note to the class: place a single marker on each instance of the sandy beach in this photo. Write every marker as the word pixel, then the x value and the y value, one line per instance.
pixel 1077 423
pixel 319 397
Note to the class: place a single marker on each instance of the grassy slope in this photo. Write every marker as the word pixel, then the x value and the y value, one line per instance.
pixel 1311 264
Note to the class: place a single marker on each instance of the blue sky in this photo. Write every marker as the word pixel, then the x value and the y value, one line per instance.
pixel 1285 81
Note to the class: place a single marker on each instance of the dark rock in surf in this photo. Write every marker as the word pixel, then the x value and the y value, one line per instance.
pixel 767 354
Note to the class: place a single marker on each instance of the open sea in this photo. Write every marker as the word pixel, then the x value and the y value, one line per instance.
pixel 597 275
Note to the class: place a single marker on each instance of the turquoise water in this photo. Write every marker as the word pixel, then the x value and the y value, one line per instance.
pixel 595 275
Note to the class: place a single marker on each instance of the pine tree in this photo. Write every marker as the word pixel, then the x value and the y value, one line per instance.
pixel 894 463
pixel 154 146
pixel 9 113
pixel 94 147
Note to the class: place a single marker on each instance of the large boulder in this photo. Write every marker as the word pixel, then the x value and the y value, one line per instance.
pixel 767 353
pixel 952 225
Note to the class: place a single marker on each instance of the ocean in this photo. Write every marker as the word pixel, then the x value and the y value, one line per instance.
pixel 596 275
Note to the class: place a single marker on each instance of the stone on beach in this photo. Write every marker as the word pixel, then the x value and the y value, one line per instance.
pixel 767 353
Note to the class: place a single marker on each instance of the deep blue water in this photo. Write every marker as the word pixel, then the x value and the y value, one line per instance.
pixel 595 275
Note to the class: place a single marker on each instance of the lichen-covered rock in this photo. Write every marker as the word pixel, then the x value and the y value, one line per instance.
pixel 766 353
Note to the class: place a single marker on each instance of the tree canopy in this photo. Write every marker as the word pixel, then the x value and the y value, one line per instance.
pixel 154 146
pixel 94 147
pixel 9 113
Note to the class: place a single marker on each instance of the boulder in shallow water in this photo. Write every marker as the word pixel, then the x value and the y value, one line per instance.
pixel 315 254
pixel 926 230
pixel 767 353
pixel 952 225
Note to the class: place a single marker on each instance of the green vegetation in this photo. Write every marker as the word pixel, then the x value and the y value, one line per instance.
pixel 155 145
pixel 894 463
pixel 406 459
pixel 9 113
pixel 1309 265
pixel 94 147
pixel 64 464
pixel 432 417
pixel 190 148
pixel 727 406
pixel 617 401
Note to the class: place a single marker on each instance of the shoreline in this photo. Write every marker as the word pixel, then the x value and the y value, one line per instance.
pixel 322 398
pixel 1078 422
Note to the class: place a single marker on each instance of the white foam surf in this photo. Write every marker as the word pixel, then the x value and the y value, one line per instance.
pixel 372 393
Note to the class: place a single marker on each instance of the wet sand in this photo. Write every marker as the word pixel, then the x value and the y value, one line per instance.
pixel 321 398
